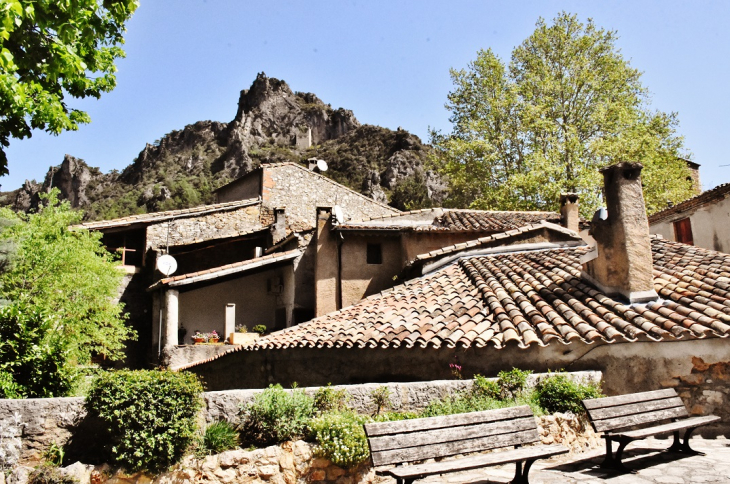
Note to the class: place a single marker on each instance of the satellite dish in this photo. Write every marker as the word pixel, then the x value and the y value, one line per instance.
pixel 322 165
pixel 339 215
pixel 166 264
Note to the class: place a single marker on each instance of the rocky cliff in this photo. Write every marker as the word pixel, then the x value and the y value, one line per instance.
pixel 272 124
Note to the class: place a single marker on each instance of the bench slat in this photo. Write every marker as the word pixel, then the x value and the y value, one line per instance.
pixel 467 463
pixel 635 408
pixel 631 398
pixel 631 420
pixel 397 456
pixel 671 427
pixel 440 436
pixel 447 421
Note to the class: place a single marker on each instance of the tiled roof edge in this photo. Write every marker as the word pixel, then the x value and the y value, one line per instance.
pixel 216 272
pixel 718 193
pixel 434 266
pixel 166 215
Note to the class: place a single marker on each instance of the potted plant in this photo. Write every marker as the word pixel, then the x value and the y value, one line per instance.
pixel 260 329
pixel 242 336
pixel 213 337
pixel 199 338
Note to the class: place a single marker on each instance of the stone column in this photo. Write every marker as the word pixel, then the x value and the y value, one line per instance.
pixel 171 320
pixel 230 325
pixel 326 265
pixel 569 215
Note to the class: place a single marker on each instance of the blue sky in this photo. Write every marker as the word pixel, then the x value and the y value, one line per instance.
pixel 387 60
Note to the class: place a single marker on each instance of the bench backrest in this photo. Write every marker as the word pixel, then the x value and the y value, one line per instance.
pixel 615 413
pixel 426 438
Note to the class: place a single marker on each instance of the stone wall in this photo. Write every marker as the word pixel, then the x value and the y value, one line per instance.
pixel 64 420
pixel 296 462
pixel 301 191
pixel 187 230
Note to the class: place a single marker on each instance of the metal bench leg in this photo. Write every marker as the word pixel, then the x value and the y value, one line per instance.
pixel 684 446
pixel 521 472
pixel 613 461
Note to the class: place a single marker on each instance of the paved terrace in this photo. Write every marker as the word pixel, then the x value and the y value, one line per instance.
pixel 645 457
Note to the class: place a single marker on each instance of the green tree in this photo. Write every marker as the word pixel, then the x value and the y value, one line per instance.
pixel 49 48
pixel 58 293
pixel 567 105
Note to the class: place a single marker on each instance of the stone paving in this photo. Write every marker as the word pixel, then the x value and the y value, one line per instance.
pixel 645 458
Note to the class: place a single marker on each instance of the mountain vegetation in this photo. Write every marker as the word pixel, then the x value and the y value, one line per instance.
pixel 272 124
pixel 567 105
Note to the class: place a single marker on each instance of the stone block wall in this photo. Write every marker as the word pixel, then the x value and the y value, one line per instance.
pixel 301 191
pixel 65 422
pixel 707 387
pixel 204 227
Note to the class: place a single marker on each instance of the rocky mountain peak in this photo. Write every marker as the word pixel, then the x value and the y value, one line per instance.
pixel 272 124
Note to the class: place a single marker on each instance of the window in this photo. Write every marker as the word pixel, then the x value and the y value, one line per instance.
pixel 375 254
pixel 683 231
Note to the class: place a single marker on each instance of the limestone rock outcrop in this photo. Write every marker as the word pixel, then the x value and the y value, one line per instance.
pixel 272 124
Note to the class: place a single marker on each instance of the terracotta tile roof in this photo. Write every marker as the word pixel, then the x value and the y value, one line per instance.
pixel 490 240
pixel 525 298
pixel 710 196
pixel 147 218
pixel 450 220
pixel 225 270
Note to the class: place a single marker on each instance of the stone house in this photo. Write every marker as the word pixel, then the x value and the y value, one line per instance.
pixel 703 220
pixel 250 250
pixel 648 312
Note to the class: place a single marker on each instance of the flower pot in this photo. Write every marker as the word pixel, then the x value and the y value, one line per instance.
pixel 242 338
pixel 198 341
pixel 213 340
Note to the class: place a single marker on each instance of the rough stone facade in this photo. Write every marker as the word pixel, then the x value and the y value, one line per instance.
pixel 301 191
pixel 707 386
pixel 216 225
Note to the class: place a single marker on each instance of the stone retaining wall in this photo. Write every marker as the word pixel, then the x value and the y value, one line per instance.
pixel 295 462
pixel 64 420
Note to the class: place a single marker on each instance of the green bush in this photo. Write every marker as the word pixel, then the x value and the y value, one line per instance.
pixel 341 438
pixel 259 328
pixel 381 398
pixel 218 437
pixel 276 415
pixel 328 399
pixel 557 393
pixel 512 382
pixel 485 388
pixel 149 416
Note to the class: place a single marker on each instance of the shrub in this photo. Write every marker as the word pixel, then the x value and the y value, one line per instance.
pixel 512 382
pixel 484 388
pixel 259 328
pixel 149 416
pixel 558 393
pixel 381 398
pixel 341 438
pixel 462 403
pixel 219 437
pixel 328 399
pixel 276 415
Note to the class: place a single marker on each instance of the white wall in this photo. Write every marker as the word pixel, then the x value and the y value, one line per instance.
pixel 710 226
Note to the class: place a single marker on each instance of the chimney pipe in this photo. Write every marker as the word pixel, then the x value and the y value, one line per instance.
pixel 569 215
pixel 623 265
pixel 278 229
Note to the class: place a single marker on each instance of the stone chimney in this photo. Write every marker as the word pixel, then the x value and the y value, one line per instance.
pixel 569 216
pixel 278 229
pixel 623 264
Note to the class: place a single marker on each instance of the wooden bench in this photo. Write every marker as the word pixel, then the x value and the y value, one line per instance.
pixel 614 416
pixel 408 441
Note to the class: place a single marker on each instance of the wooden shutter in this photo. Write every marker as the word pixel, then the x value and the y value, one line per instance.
pixel 683 231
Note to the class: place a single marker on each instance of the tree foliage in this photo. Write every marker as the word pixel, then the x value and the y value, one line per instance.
pixel 567 104
pixel 58 293
pixel 49 48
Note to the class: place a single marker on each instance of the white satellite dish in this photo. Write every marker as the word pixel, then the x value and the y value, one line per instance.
pixel 322 165
pixel 166 264
pixel 339 215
